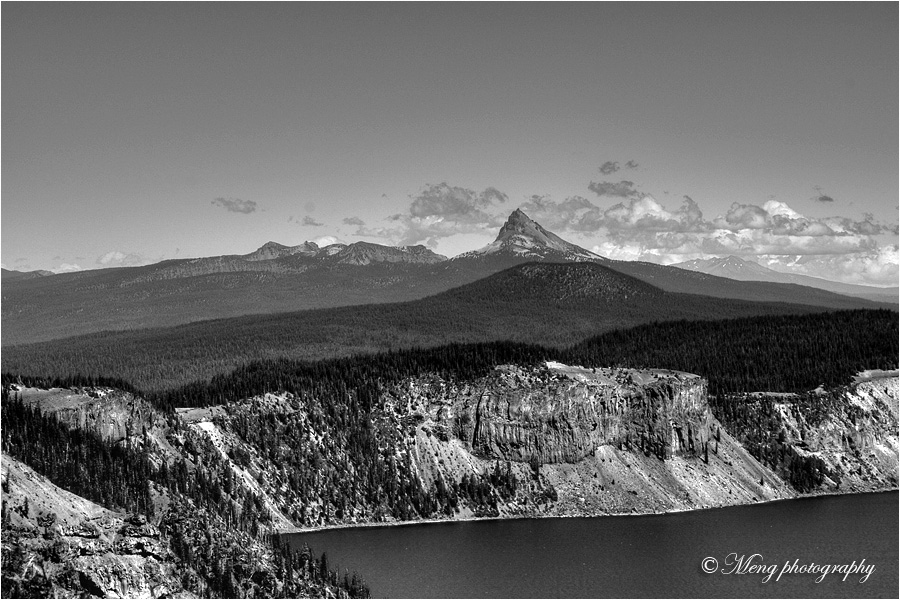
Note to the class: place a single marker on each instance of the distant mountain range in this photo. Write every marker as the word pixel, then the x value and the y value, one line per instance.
pixel 546 303
pixel 745 270
pixel 8 275
pixel 278 278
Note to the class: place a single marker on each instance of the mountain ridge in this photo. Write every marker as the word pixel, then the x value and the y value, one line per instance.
pixel 540 302
pixel 277 279
pixel 523 237
pixel 737 268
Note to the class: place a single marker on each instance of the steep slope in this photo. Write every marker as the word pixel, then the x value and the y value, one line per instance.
pixel 547 303
pixel 278 278
pixel 196 537
pixel 733 267
pixel 57 544
pixel 521 237
pixel 522 441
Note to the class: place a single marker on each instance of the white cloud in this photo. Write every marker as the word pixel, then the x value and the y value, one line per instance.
pixel 67 268
pixel 115 258
pixel 878 266
pixel 439 211
pixel 325 240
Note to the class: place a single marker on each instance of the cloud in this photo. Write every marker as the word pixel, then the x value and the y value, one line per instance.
pixel 574 214
pixel 877 266
pixel 456 204
pixel 355 221
pixel 362 230
pixel 821 196
pixel 609 167
pixel 236 205
pixel 120 259
pixel 642 229
pixel 310 222
pixel 742 216
pixel 622 189
pixel 631 165
pixel 646 214
pixel 67 268
pixel 325 240
pixel 636 226
pixel 439 211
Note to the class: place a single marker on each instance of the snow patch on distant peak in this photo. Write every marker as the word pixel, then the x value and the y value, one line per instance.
pixel 522 236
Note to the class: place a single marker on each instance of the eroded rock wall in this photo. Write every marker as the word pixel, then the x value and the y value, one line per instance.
pixel 563 414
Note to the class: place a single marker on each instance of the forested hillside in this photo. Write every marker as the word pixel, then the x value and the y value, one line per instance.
pixel 774 353
pixel 779 354
pixel 212 526
pixel 280 442
pixel 547 304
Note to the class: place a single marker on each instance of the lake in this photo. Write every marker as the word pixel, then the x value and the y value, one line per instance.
pixel 633 556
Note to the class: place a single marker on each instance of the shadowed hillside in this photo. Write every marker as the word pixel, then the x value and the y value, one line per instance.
pixel 278 279
pixel 541 303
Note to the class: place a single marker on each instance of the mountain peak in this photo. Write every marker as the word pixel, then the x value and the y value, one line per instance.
pixel 521 236
pixel 270 245
pixel 363 253
pixel 518 216
pixel 272 250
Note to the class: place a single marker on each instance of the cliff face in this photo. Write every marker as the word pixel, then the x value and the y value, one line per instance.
pixel 841 439
pixel 57 544
pixel 579 441
pixel 112 414
pixel 563 414
pixel 520 441
pixel 855 438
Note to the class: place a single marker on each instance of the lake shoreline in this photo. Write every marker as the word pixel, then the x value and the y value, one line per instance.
pixel 371 525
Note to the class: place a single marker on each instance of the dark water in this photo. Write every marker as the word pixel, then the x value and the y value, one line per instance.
pixel 639 556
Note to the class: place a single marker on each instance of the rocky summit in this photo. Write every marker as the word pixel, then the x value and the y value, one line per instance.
pixel 523 237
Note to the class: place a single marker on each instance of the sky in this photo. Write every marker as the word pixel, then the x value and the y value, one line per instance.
pixel 133 133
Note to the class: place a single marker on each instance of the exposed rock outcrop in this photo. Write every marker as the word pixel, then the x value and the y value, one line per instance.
pixel 112 414
pixel 58 544
pixel 563 414
pixel 580 441
pixel 520 441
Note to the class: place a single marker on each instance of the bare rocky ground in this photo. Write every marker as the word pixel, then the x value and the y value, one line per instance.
pixel 57 544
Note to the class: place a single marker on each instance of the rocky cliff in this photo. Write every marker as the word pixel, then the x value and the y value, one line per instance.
pixel 842 439
pixel 579 441
pixel 57 544
pixel 519 441
pixel 196 537
pixel 563 414
pixel 110 413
